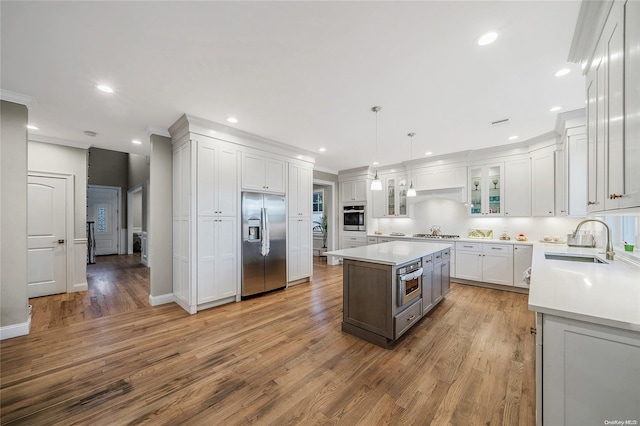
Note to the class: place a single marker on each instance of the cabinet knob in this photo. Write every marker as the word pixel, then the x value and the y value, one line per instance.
pixel 550 212
pixel 506 212
pixel 563 211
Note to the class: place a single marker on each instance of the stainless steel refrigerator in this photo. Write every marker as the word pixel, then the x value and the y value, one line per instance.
pixel 264 246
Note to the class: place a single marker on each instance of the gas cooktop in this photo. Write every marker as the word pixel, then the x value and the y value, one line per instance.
pixel 439 236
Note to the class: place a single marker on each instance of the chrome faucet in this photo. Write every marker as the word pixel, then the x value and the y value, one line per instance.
pixel 609 247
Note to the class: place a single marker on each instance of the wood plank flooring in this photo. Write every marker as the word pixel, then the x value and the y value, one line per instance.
pixel 277 359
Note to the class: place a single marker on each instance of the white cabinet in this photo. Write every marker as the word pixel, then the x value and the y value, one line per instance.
pixel 261 173
pixel 349 241
pixel 497 263
pixel 353 190
pixel 300 234
pixel 216 182
pixel 517 187
pixel 543 182
pixel 217 266
pixel 205 227
pixel 300 190
pixel 469 261
pixel 486 190
pixel 576 171
pixel 485 262
pixel 613 112
pixel 589 373
pixel 299 248
pixel 522 255
pixel 392 200
pixel 632 106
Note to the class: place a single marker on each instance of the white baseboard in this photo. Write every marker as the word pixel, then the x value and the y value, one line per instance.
pixel 162 299
pixel 84 286
pixel 15 330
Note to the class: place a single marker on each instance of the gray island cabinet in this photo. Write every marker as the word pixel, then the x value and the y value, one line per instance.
pixel 389 287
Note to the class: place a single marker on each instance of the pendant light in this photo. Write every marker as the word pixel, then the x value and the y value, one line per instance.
pixel 376 184
pixel 411 192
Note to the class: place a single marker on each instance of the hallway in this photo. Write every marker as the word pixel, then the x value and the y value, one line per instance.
pixel 117 284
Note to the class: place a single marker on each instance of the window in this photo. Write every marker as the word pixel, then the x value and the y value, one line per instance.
pixel 101 219
pixel 318 205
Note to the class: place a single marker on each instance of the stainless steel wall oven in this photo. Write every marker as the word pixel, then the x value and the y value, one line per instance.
pixel 354 218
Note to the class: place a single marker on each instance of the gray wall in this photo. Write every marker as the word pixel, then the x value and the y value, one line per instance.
pixel 139 169
pixel 13 214
pixel 324 176
pixel 46 157
pixel 161 216
pixel 110 168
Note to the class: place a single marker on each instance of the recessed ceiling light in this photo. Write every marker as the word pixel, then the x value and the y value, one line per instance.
pixel 375 163
pixel 428 153
pixel 487 38
pixel 555 108
pixel 513 138
pixel 563 71
pixel 136 141
pixel 104 88
pixel 31 127
pixel 322 149
pixel 232 120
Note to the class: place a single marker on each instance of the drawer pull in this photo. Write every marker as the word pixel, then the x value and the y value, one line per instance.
pixel 467 246
pixel 411 318
pixel 496 248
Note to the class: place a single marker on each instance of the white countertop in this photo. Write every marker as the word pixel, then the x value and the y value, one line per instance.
pixel 392 253
pixel 606 294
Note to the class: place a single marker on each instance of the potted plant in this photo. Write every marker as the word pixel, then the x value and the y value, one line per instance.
pixel 322 226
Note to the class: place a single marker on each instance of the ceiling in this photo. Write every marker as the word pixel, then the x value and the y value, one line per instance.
pixel 302 73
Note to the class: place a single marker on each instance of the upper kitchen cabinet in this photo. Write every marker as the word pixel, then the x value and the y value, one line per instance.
pixel 543 182
pixel 217 181
pixel 486 193
pixel 392 200
pixel 261 173
pixel 611 59
pixel 300 190
pixel 353 190
pixel 517 187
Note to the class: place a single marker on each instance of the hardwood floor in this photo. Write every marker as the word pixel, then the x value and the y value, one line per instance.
pixel 273 360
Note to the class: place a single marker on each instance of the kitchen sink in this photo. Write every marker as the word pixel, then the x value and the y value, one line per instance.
pixel 587 258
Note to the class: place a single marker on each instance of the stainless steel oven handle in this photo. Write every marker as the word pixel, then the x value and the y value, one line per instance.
pixel 411 275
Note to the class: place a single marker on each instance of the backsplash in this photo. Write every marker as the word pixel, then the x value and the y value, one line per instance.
pixel 452 218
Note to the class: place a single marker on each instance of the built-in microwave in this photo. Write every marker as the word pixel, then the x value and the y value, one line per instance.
pixel 353 218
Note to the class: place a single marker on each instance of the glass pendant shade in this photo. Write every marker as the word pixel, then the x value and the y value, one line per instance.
pixel 376 184
pixel 411 192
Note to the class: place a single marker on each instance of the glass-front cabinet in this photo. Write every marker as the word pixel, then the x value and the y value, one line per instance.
pixel 392 200
pixel 486 192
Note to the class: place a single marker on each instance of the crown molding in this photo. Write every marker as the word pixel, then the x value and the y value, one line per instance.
pixel 157 131
pixel 56 141
pixel 17 98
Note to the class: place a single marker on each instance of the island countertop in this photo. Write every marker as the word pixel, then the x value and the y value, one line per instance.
pixel 392 253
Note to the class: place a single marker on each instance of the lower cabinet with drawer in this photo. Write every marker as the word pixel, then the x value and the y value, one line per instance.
pixel 485 262
pixel 405 319
pixel 353 241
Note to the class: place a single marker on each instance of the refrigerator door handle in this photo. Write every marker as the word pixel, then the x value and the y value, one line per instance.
pixel 265 246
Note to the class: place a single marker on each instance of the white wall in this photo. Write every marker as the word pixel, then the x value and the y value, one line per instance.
pixel 46 157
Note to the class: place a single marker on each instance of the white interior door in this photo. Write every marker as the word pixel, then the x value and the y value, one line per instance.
pixel 46 253
pixel 103 210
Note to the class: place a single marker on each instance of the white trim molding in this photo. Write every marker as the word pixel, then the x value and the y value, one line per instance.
pixel 15 330
pixel 18 98
pixel 162 299
pixel 80 265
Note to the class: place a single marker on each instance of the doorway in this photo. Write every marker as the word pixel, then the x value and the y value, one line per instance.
pixel 103 208
pixel 327 205
pixel 134 220
pixel 47 238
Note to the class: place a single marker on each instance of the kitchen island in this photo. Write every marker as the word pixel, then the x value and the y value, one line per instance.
pixel 389 287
